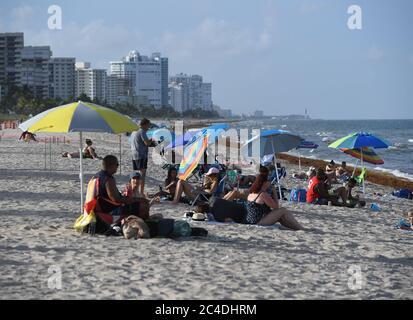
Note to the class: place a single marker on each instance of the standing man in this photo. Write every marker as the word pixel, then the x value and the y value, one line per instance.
pixel 140 144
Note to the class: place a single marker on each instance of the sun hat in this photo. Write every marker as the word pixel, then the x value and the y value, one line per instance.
pixel 212 170
pixel 134 175
pixel 198 217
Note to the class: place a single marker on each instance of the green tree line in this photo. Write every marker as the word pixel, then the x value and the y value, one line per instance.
pixel 21 100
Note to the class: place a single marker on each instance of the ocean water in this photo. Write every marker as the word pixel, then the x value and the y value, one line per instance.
pixel 398 159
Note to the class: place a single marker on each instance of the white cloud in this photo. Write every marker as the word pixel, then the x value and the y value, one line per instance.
pixel 215 39
pixel 375 53
pixel 95 41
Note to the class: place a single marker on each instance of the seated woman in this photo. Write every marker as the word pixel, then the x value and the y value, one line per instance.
pixel 208 188
pixel 88 152
pixel 331 171
pixel 353 201
pixel 242 194
pixel 142 204
pixel 264 210
pixel 341 172
pixel 171 182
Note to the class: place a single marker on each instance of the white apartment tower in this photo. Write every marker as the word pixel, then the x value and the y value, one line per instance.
pixel 196 93
pixel 147 76
pixel 91 82
pixel 35 69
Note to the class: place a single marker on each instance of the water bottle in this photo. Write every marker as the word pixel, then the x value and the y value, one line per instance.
pixel 375 207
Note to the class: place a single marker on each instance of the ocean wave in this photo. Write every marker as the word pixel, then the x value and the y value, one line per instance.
pixel 410 140
pixel 327 139
pixel 396 173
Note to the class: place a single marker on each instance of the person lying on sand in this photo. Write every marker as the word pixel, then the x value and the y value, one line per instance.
pixel 318 191
pixel 88 152
pixel 209 186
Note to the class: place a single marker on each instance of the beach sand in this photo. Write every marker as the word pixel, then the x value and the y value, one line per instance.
pixel 38 245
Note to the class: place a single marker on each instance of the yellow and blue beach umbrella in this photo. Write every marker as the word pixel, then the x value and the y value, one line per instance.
pixel 80 117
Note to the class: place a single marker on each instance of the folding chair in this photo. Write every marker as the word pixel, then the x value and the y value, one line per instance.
pixel 217 193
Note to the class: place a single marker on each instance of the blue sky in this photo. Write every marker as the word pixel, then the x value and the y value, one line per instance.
pixel 276 55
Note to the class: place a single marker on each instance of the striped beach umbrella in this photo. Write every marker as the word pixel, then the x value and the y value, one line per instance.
pixel 368 155
pixel 80 117
pixel 193 154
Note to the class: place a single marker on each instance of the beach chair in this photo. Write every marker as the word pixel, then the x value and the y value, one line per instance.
pixel 205 197
pixel 282 173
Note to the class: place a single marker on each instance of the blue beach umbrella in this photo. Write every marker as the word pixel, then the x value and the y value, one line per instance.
pixel 304 144
pixel 272 142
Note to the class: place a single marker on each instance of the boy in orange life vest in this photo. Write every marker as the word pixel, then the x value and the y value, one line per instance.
pixel 318 192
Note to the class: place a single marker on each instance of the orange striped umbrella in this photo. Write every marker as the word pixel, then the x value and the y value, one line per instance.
pixel 368 155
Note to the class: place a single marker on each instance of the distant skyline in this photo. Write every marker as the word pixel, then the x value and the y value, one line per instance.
pixel 280 56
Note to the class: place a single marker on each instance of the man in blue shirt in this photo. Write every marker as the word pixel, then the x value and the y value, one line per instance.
pixel 140 144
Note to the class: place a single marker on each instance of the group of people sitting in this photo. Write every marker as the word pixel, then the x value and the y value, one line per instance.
pixel 116 211
pixel 127 213
pixel 321 192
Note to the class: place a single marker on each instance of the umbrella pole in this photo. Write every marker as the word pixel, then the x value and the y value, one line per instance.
pixel 276 171
pixel 355 168
pixel 45 153
pixel 299 161
pixel 362 166
pixel 120 154
pixel 81 171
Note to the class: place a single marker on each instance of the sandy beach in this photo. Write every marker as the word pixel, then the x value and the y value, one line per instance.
pixel 38 208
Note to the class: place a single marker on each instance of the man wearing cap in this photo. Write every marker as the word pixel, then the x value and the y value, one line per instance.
pixel 209 186
pixel 140 144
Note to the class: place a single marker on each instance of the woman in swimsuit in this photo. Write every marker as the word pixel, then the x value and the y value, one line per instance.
pixel 264 210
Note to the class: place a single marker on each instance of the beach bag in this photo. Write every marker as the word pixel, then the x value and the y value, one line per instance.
pixel 181 229
pixel 134 227
pixel 403 193
pixel 222 209
pixel 88 216
pixel 298 195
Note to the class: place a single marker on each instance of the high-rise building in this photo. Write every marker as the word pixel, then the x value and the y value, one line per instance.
pixel 35 69
pixel 62 78
pixel 196 93
pixel 207 96
pixel 116 90
pixel 177 95
pixel 11 46
pixel 147 76
pixel 91 82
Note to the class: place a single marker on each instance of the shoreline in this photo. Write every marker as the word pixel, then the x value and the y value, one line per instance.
pixel 375 176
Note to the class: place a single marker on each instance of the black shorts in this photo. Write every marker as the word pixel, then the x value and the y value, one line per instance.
pixel 140 164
